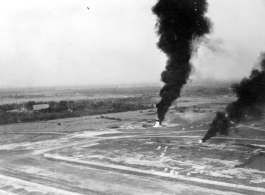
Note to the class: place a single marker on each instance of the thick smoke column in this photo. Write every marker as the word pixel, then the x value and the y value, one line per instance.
pixel 251 96
pixel 249 105
pixel 220 124
pixel 180 24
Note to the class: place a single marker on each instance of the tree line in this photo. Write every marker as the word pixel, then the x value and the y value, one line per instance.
pixel 24 112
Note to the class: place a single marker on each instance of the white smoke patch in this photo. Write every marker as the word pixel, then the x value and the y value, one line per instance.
pixel 214 45
pixel 236 40
pixel 217 60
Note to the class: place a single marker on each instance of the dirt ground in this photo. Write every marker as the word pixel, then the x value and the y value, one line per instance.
pixel 95 155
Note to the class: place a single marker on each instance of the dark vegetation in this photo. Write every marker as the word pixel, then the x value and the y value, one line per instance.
pixel 96 101
pixel 16 96
pixel 110 118
pixel 12 113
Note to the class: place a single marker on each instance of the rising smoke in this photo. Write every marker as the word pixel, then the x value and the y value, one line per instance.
pixel 251 96
pixel 220 124
pixel 181 23
pixel 249 105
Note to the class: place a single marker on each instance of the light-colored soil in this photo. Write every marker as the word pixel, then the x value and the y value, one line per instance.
pixel 94 155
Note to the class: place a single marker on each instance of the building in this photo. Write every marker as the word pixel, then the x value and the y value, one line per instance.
pixel 38 107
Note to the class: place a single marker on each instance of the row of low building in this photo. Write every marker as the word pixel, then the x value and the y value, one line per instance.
pixel 36 107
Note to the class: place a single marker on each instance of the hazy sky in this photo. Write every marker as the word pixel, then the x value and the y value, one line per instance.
pixel 61 42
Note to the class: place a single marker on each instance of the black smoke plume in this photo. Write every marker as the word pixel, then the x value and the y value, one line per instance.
pixel 180 24
pixel 251 96
pixel 220 124
pixel 249 105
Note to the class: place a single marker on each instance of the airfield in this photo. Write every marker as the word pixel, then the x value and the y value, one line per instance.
pixel 100 155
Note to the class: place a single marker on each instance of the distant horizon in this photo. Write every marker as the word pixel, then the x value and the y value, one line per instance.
pixel 205 82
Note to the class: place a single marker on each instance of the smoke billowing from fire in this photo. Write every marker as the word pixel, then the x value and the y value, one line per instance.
pixel 251 96
pixel 180 24
pixel 250 102
pixel 220 124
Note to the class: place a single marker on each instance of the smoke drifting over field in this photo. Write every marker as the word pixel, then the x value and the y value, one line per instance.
pixel 249 105
pixel 251 96
pixel 181 23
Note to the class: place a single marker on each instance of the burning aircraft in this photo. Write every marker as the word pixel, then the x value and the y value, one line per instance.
pixel 249 105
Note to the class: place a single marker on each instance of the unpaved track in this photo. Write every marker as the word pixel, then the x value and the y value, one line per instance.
pixel 104 179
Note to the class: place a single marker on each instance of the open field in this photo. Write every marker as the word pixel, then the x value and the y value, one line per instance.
pixel 9 96
pixel 99 155
pixel 31 105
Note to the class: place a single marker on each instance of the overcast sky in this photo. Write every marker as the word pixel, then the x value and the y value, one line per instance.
pixel 61 42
